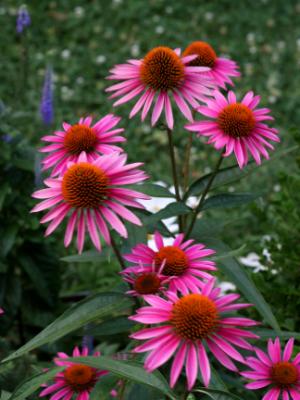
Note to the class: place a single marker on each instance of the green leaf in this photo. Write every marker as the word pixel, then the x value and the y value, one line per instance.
pixel 138 392
pixel 270 334
pixel 237 274
pixel 226 200
pixel 216 394
pixel 112 326
pixel 153 190
pixel 129 370
pixel 103 388
pixel 88 256
pixel 85 311
pixel 231 174
pixel 29 386
pixel 232 253
pixel 152 224
pixel 171 210
pixel 4 395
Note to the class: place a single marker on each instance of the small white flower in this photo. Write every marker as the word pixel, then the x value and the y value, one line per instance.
pixel 252 261
pixel 79 11
pixel 226 287
pixel 209 16
pixel 65 54
pixel 79 80
pixel 277 188
pixel 100 59
pixel 135 50
pixel 159 29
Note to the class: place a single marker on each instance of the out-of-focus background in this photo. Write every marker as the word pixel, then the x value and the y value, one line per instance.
pixel 74 44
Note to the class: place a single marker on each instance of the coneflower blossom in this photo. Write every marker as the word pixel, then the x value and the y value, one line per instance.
pixel 237 126
pixel 92 195
pixel 221 69
pixel 275 369
pixel 23 19
pixel 189 324
pixel 68 144
pixel 76 380
pixel 144 280
pixel 46 106
pixel 184 262
pixel 162 72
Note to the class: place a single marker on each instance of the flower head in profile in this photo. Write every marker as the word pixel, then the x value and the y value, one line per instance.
pixel 91 195
pixel 183 261
pixel 238 126
pixel 221 69
pixel 189 324
pixel 145 281
pixel 68 144
pixel 76 380
pixel 275 370
pixel 161 75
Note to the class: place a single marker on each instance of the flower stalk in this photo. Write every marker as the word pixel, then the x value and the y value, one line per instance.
pixel 174 173
pixel 202 198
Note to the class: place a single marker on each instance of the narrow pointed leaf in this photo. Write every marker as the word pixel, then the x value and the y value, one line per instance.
pixel 85 311
pixel 33 383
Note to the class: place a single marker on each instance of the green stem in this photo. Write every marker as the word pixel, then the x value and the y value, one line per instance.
pixel 202 198
pixel 186 166
pixel 174 172
pixel 186 170
pixel 117 253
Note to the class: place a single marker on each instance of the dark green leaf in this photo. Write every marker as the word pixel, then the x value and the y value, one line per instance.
pixel 153 190
pixel 232 253
pixel 33 383
pixel 129 370
pixel 270 334
pixel 215 394
pixel 85 311
pixel 171 210
pixel 88 256
pixel 103 388
pixel 138 392
pixel 226 200
pixel 111 327
pixel 231 174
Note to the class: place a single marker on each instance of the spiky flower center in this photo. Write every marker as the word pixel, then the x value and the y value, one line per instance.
pixel 176 260
pixel 284 374
pixel 80 377
pixel 147 283
pixel 206 54
pixel 236 120
pixel 194 317
pixel 162 69
pixel 80 138
pixel 84 186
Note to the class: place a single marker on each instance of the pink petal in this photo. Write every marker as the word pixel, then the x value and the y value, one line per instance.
pixel 80 232
pixel 177 364
pixel 204 364
pixel 288 350
pixel 191 366
pixel 158 108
